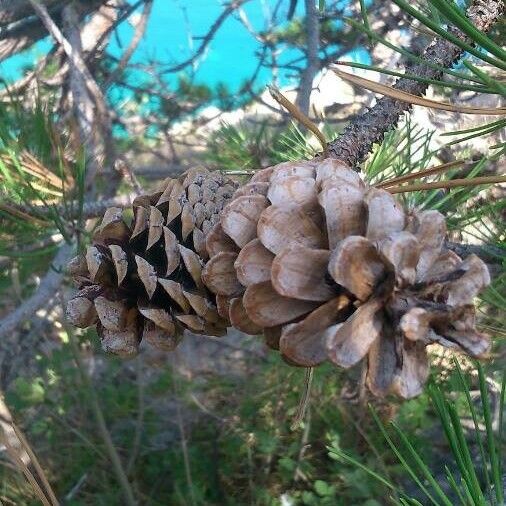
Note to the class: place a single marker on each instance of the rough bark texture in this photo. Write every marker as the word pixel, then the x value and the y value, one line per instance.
pixel 354 144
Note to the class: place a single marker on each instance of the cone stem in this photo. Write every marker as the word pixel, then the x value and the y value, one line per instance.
pixel 452 183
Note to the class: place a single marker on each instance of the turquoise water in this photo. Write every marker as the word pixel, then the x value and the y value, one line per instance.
pixel 229 59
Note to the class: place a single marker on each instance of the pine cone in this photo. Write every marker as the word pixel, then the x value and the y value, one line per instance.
pixel 328 267
pixel 144 280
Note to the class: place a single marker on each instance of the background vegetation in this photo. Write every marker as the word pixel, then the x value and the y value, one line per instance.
pixel 216 422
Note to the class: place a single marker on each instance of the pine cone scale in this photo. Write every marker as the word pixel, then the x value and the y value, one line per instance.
pixel 304 342
pixel 301 273
pixel 267 308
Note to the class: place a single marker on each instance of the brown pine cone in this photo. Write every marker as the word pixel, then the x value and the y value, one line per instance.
pixel 143 280
pixel 331 268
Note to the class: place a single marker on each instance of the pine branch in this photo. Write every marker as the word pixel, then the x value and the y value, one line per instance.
pixel 20 29
pixel 489 253
pixel 138 34
pixel 366 129
pixel 208 37
pixel 89 100
pixel 71 209
pixel 48 286
pixel 94 209
pixel 83 87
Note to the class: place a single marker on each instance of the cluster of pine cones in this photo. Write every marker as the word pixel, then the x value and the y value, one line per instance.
pixel 306 253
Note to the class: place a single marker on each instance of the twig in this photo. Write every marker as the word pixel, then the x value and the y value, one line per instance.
pixel 238 172
pixel 207 411
pixel 83 83
pixel 127 11
pixel 72 55
pixel 128 174
pixel 90 209
pixel 357 139
pixel 312 33
pixel 182 434
pixel 73 491
pixel 21 33
pixel 302 450
pixel 304 400
pixel 206 39
pixel 97 208
pixel 21 84
pixel 140 419
pixel 48 286
pixel 138 34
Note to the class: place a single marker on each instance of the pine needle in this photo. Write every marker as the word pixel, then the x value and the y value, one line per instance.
pixel 299 116
pixel 422 173
pixel 452 183
pixel 414 99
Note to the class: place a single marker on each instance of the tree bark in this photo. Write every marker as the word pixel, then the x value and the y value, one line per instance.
pixel 312 25
pixel 48 286
pixel 12 11
pixel 82 100
pixel 366 129
pixel 21 29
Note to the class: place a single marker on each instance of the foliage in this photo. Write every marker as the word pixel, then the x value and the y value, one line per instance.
pixel 478 71
pixel 239 443
pixel 470 480
pixel 226 439
pixel 241 449
pixel 40 172
pixel 253 145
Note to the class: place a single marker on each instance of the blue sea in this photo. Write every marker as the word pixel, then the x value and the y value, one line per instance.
pixel 173 35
